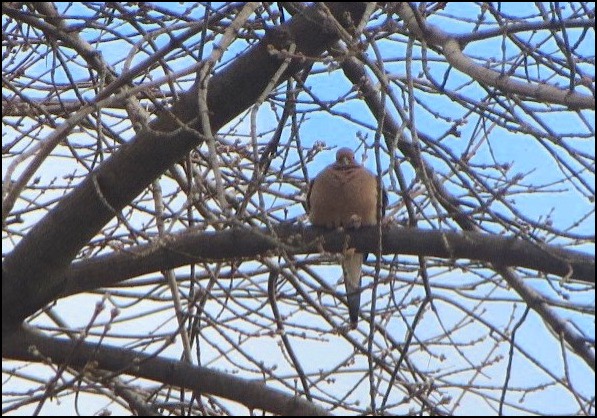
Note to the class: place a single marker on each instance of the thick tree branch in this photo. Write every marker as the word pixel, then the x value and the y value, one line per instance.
pixel 194 246
pixel 31 272
pixel 31 346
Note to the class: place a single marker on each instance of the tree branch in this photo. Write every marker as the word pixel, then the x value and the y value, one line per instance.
pixel 31 346
pixel 193 246
pixel 452 50
pixel 32 271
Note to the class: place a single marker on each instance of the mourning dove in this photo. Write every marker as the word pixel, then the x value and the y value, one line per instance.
pixel 344 194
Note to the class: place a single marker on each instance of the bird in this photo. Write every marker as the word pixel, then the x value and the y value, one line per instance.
pixel 344 194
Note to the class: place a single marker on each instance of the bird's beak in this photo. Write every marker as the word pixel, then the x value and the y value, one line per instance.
pixel 345 161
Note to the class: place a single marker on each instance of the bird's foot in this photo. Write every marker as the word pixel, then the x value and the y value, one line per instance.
pixel 355 222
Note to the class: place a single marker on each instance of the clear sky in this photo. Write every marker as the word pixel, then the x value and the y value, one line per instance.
pixel 558 201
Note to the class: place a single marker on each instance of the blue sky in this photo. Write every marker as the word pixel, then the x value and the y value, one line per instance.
pixel 561 201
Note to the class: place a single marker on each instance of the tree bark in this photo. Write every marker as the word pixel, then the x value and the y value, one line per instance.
pixel 32 272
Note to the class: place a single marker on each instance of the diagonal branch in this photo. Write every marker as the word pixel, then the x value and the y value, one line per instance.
pixel 28 345
pixel 33 270
pixel 452 50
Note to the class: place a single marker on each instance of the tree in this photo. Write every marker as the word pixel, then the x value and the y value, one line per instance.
pixel 157 258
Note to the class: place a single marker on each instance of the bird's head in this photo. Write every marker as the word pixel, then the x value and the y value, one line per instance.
pixel 345 157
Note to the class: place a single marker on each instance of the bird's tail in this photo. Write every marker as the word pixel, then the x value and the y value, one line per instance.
pixel 352 267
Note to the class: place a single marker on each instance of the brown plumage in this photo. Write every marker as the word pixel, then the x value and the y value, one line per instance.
pixel 345 194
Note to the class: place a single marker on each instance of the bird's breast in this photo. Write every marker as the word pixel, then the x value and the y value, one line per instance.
pixel 339 198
